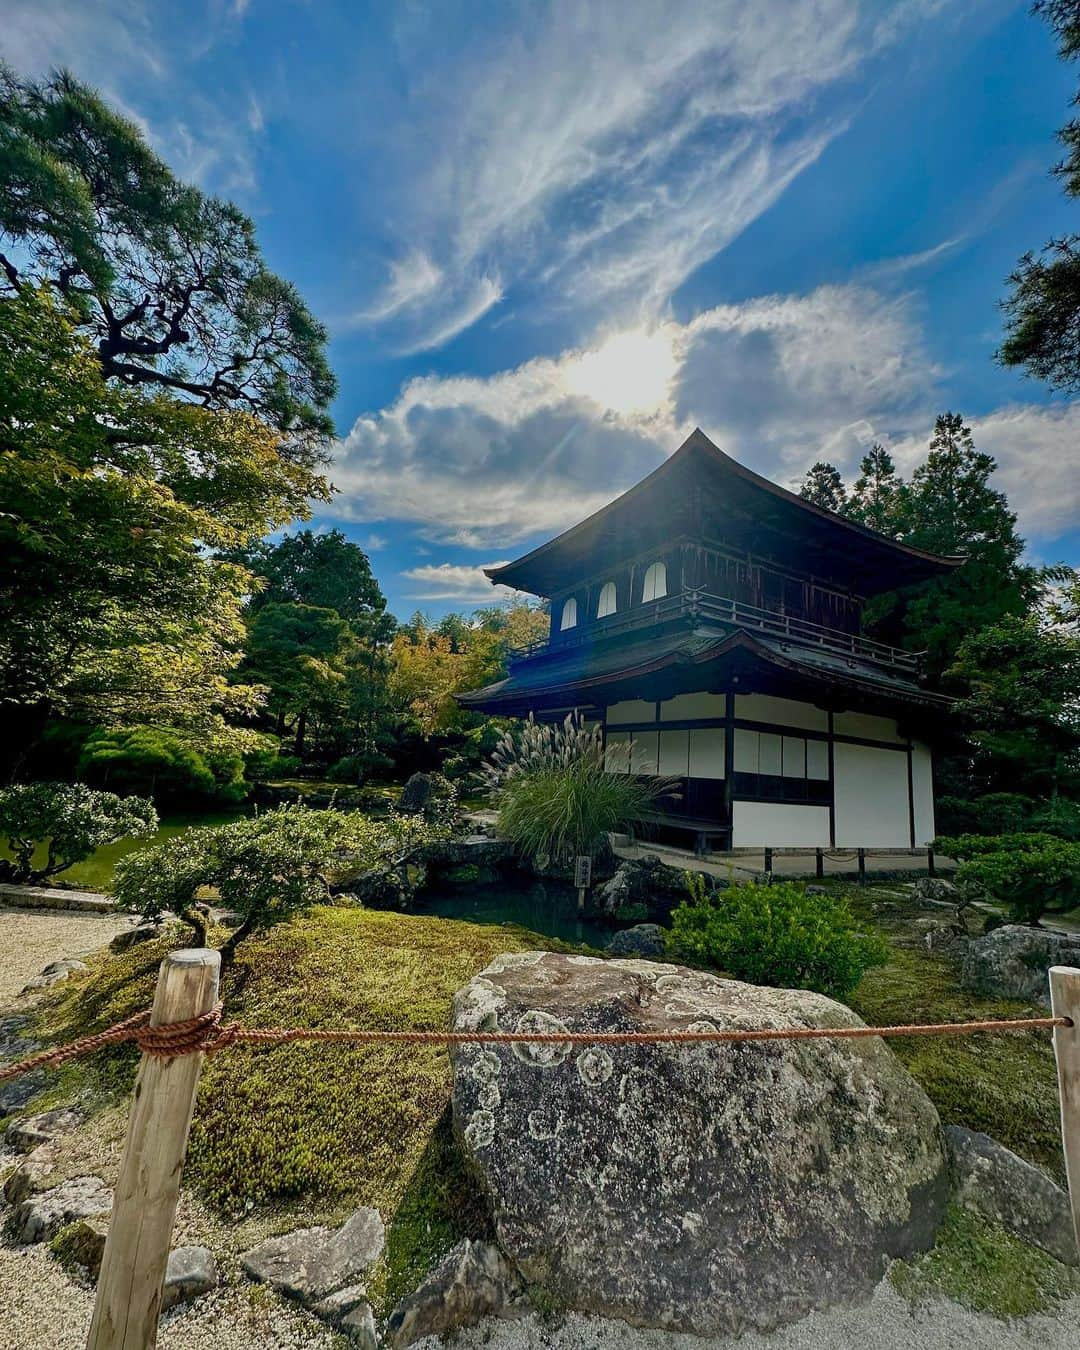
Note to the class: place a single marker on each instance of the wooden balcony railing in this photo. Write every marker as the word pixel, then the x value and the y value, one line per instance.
pixel 730 613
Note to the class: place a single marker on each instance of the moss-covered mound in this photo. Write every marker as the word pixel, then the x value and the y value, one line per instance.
pixel 312 1129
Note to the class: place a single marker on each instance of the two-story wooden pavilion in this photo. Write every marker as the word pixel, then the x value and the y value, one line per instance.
pixel 711 621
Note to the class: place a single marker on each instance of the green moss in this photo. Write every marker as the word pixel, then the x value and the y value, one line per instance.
pixel 980 1265
pixel 1004 1084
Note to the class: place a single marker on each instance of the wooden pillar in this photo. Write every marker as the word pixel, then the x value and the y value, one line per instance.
pixel 862 866
pixel 931 868
pixel 144 1205
pixel 768 861
pixel 1065 1002
pixel 819 863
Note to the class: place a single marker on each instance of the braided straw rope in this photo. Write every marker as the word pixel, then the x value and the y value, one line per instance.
pixel 205 1034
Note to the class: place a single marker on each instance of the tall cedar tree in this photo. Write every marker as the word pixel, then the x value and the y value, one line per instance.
pixel 876 498
pixel 167 283
pixel 1043 310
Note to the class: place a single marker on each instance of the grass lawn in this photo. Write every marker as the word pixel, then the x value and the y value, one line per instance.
pixel 300 1134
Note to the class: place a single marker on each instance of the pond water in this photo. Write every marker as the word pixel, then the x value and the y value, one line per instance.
pixel 545 907
pixel 95 873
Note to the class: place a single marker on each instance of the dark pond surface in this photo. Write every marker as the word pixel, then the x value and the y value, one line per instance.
pixel 544 906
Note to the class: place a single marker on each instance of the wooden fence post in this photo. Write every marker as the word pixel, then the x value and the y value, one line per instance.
pixel 144 1205
pixel 1065 1002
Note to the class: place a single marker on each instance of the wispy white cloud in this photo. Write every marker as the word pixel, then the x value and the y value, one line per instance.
pixel 599 154
pixel 451 581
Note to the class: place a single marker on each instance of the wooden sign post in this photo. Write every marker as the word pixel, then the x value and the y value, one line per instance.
pixel 1065 1002
pixel 582 878
pixel 144 1206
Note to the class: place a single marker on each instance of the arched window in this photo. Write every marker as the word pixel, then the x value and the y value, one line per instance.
pixel 608 603
pixel 655 584
pixel 569 615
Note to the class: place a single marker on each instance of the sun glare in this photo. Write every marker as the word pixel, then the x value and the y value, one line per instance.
pixel 631 372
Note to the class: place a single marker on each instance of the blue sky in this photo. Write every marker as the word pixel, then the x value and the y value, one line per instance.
pixel 550 238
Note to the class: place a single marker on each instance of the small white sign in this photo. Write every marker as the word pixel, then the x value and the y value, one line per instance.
pixel 583 872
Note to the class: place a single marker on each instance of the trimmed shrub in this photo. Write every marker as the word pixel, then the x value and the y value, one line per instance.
pixel 267 868
pixel 72 819
pixel 775 935
pixel 1032 874
pixel 163 765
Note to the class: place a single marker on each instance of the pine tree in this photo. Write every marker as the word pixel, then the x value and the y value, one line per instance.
pixel 824 487
pixel 876 496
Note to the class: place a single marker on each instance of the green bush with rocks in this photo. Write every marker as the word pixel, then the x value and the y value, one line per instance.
pixel 775 935
pixel 1032 874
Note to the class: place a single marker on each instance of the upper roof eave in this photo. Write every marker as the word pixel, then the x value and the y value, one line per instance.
pixel 698 443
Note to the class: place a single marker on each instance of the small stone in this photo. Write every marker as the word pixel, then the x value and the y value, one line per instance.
pixel 934 889
pixel 64 967
pixel 44 1213
pixel 190 1272
pixel 991 1180
pixel 816 890
pixel 131 937
pixel 83 1243
pixel 473 1281
pixel 31 1174
pixel 28 1133
pixel 15 1093
pixel 310 1264
pixel 644 939
pixel 359 1326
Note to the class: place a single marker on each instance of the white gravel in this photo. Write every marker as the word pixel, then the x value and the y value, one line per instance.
pixel 31 938
pixel 42 1308
pixel 887 1322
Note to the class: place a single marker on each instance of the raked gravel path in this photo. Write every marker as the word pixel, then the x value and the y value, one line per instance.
pixel 31 938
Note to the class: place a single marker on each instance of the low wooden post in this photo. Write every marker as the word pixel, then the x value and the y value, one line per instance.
pixel 1065 1002
pixel 144 1205
pixel 931 866
pixel 819 863
pixel 862 866
pixel 768 861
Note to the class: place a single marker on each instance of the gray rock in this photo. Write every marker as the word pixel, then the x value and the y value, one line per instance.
pixel 934 889
pixel 28 1133
pixel 131 937
pixel 637 884
pixel 54 973
pixel 190 1272
pixel 32 1174
pixel 310 1264
pixel 478 850
pixel 644 939
pixel 349 1311
pixel 15 1093
pixel 84 1243
pixel 817 890
pixel 706 1188
pixel 992 1181
pixel 44 1213
pixel 473 1281
pixel 1013 961
pixel 427 794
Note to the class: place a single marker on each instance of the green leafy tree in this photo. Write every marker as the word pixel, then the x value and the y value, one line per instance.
pixel 1042 312
pixel 168 284
pixel 301 654
pixel 877 495
pixel 70 821
pixel 775 935
pixel 824 487
pixel 112 609
pixel 1021 679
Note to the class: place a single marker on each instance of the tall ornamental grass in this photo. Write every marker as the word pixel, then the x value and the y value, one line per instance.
pixel 556 800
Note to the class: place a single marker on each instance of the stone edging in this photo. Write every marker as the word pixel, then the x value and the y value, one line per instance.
pixel 54 897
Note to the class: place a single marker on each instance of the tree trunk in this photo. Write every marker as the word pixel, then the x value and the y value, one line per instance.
pixel 301 727
pixel 229 946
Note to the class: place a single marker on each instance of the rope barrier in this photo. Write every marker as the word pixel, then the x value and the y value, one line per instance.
pixel 205 1034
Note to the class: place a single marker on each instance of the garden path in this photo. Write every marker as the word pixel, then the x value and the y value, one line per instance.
pixel 31 938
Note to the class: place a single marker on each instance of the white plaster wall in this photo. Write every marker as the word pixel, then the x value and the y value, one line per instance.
pixel 780 825
pixel 922 780
pixel 632 710
pixel 617 752
pixel 783 712
pixel 683 707
pixel 707 752
pixel 867 725
pixel 871 797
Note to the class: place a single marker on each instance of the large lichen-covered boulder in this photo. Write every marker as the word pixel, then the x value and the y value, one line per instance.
pixel 1014 961
pixel 707 1187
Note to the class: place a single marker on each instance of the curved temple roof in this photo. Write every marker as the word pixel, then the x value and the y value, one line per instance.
pixel 700 493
